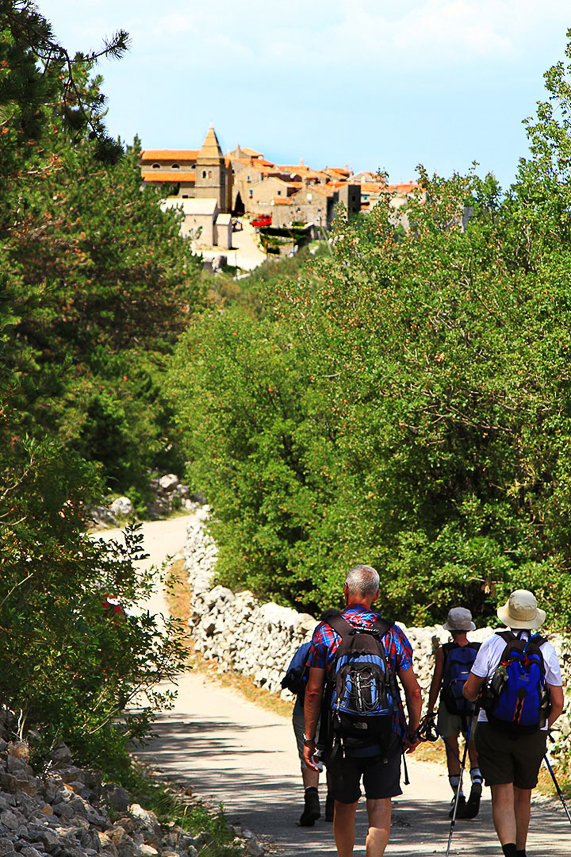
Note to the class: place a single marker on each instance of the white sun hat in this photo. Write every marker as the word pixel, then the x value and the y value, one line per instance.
pixel 521 611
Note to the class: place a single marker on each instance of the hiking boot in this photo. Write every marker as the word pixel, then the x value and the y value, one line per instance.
pixel 461 807
pixel 473 805
pixel 329 807
pixel 311 810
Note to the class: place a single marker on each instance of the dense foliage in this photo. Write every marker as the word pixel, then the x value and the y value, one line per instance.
pixel 404 402
pixel 95 285
pixel 98 280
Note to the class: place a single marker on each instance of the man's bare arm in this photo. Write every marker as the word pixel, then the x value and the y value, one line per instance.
pixel 557 703
pixel 473 686
pixel 436 682
pixel 312 710
pixel 413 703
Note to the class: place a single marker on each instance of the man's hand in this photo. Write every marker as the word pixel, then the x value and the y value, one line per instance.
pixel 411 742
pixel 308 754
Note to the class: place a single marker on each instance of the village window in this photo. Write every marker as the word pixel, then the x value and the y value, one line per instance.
pixel 156 166
pixel 176 166
pixel 248 178
pixel 209 174
pixel 203 174
pixel 251 194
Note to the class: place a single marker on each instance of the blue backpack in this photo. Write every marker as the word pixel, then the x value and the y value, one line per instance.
pixel 297 673
pixel 517 697
pixel 458 661
pixel 364 692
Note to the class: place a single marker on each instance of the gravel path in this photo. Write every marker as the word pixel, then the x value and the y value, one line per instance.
pixel 236 753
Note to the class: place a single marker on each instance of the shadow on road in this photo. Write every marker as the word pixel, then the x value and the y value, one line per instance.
pixel 249 769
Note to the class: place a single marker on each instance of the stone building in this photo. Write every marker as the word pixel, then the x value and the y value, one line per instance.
pixel 199 182
pixel 191 173
pixel 203 222
pixel 245 182
pixel 314 203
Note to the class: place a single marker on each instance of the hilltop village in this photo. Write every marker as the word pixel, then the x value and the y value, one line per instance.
pixel 219 193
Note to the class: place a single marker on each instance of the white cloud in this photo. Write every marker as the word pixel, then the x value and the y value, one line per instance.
pixel 318 34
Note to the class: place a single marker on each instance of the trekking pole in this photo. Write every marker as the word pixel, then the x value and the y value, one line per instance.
pixel 559 792
pixel 457 795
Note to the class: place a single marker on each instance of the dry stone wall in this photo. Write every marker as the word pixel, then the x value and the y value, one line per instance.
pixel 67 811
pixel 259 640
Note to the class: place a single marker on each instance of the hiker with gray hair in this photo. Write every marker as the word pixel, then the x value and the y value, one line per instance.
pixel 354 658
pixel 519 676
pixel 455 714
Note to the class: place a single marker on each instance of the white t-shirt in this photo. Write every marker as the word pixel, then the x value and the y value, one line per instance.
pixel 491 650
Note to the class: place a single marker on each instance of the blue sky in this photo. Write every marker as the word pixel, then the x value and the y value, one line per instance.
pixel 366 83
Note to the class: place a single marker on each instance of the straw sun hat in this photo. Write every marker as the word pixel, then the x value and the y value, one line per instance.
pixel 521 611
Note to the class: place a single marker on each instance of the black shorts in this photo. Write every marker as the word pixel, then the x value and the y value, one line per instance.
pixel 503 759
pixel 381 775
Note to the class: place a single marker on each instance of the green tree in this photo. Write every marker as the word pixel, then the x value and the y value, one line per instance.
pixel 78 273
pixel 97 277
pixel 404 402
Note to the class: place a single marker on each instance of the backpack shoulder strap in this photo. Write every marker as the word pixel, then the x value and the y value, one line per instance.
pixel 343 627
pixel 449 647
pixel 533 646
pixel 382 625
pixel 340 625
pixel 514 643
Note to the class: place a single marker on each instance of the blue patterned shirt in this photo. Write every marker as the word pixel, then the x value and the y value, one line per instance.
pixel 397 647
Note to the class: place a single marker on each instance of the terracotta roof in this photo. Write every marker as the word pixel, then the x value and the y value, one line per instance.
pixel 338 171
pixel 319 189
pixel 324 190
pixel 248 163
pixel 169 155
pixel 405 187
pixel 300 169
pixel 168 176
pixel 282 200
pixel 373 187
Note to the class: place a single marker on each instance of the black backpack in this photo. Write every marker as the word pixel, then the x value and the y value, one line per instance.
pixel 517 697
pixel 364 691
pixel 458 661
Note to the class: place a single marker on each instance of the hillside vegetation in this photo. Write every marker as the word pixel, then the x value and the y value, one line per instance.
pixel 403 402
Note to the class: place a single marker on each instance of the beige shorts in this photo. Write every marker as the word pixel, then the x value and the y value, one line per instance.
pixel 451 725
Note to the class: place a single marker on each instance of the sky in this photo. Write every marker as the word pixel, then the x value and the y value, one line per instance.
pixel 368 83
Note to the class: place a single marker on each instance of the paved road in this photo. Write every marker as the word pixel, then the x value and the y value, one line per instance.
pixel 235 753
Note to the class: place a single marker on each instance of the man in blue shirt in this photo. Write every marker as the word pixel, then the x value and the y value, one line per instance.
pixel 381 771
